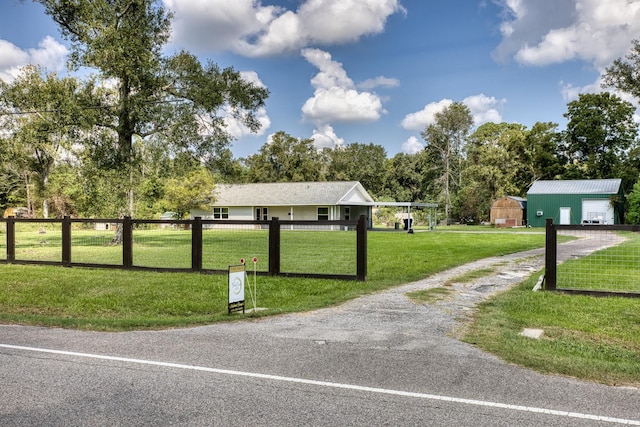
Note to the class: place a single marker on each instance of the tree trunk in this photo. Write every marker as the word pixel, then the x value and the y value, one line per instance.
pixel 45 201
pixel 27 184
pixel 118 237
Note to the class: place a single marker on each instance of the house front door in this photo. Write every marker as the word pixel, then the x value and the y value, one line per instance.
pixel 262 214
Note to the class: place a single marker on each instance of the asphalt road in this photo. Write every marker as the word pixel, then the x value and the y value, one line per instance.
pixel 377 360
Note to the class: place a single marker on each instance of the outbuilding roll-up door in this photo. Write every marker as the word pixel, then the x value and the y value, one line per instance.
pixel 599 210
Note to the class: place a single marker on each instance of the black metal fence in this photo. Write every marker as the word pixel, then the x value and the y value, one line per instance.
pixel 600 260
pixel 320 249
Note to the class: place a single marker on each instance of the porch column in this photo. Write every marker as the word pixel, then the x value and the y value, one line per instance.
pixel 291 217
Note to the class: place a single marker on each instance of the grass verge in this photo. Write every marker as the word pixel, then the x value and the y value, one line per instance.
pixel 596 339
pixel 107 299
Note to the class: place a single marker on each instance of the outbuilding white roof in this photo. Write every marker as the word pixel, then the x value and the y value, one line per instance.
pixel 578 186
pixel 292 194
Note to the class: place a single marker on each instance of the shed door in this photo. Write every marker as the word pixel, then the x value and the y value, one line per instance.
pixel 598 211
pixel 565 216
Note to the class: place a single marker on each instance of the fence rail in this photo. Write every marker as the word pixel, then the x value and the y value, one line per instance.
pixel 291 248
pixel 604 260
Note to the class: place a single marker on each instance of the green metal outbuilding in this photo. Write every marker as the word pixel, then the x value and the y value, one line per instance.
pixel 594 201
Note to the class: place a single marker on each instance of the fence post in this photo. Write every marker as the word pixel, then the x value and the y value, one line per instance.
pixel 361 251
pixel 66 241
pixel 274 246
pixel 127 242
pixel 11 239
pixel 551 251
pixel 196 244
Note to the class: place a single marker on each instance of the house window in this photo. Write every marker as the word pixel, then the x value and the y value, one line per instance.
pixel 323 214
pixel 347 214
pixel 220 213
pixel 262 214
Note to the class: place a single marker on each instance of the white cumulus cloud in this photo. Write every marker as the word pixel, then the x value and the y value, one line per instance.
pixel 541 32
pixel 325 137
pixel 412 146
pixel 483 109
pixel 49 54
pixel 335 97
pixel 571 92
pixel 250 28
pixel 421 119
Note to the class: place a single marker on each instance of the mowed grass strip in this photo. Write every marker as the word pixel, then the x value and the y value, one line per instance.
pixel 596 339
pixel 108 299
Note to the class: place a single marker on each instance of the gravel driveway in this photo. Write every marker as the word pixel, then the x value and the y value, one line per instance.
pixel 391 318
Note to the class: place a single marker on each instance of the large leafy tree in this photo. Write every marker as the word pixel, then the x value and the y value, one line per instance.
pixel 633 201
pixel 405 178
pixel 599 135
pixel 496 158
pixel 497 164
pixel 359 162
pixel 284 158
pixel 176 98
pixel 624 73
pixel 447 136
pixel 41 117
pixel 544 142
pixel 193 191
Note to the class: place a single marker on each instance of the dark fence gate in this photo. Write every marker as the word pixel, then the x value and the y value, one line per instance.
pixel 601 260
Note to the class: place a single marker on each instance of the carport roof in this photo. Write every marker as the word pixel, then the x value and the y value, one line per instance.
pixel 578 186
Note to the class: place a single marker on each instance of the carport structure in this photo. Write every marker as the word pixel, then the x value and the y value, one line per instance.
pixel 406 209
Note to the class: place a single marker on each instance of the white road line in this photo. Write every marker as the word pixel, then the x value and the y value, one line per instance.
pixel 332 385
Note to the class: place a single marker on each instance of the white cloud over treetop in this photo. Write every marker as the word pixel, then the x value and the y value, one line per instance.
pixel 49 54
pixel 325 137
pixel 483 109
pixel 542 32
pixel 336 98
pixel 421 119
pixel 412 146
pixel 249 28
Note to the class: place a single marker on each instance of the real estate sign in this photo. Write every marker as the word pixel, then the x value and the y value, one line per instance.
pixel 236 287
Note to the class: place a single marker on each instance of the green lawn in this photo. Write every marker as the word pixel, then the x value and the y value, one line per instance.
pixel 596 339
pixel 304 251
pixel 115 299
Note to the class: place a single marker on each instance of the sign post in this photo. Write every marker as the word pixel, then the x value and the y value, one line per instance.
pixel 254 294
pixel 236 288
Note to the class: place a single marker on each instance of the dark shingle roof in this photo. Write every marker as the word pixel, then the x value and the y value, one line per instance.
pixel 579 186
pixel 291 194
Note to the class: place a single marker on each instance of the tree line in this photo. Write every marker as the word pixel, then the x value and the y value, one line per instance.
pixel 146 133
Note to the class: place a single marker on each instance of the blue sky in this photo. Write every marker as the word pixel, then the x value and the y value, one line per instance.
pixel 375 71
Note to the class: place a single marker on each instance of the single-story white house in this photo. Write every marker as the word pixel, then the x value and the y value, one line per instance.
pixel 300 201
pixel 304 201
